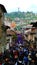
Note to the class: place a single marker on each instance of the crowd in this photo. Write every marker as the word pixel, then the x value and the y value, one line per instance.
pixel 18 56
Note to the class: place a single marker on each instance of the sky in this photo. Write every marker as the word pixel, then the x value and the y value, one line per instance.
pixel 23 5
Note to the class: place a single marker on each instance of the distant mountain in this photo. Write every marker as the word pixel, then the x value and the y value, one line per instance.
pixel 24 15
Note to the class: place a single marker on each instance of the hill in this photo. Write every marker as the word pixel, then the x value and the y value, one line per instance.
pixel 24 15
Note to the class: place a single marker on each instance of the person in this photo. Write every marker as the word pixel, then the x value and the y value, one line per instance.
pixel 25 59
pixel 35 58
pixel 1 58
pixel 29 57
pixel 0 63
pixel 20 57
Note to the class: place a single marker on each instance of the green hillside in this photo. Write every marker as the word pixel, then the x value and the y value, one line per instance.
pixel 24 15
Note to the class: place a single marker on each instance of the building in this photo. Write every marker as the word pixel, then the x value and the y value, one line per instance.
pixel 2 33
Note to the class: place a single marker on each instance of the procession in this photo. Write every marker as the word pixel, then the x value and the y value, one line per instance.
pixel 18 42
